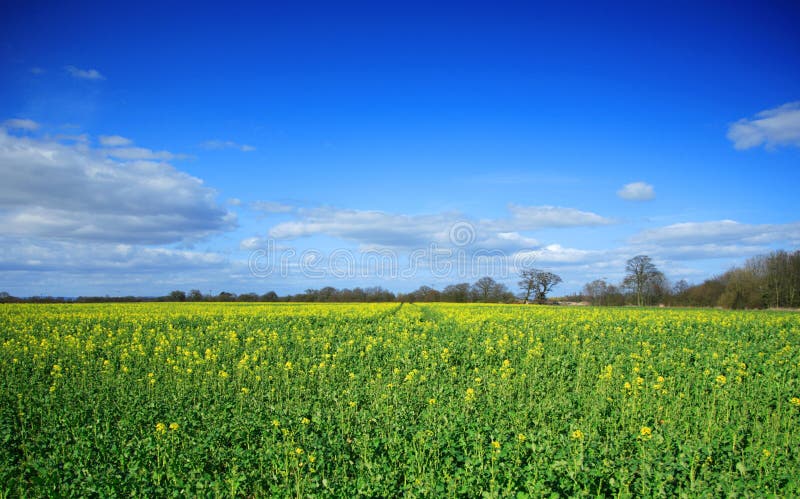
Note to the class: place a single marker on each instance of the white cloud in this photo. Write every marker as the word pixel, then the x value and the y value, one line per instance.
pixel 114 141
pixel 538 217
pixel 719 232
pixel 71 192
pixel 377 228
pixel 555 253
pixel 774 127
pixel 37 70
pixel 234 201
pixel 637 191
pixel 21 124
pixel 84 74
pixel 706 251
pixel 131 153
pixel 226 144
pixel 66 256
pixel 65 137
pixel 251 243
pixel 271 207
pixel 366 227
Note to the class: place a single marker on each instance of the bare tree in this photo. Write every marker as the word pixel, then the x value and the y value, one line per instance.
pixel 484 288
pixel 641 275
pixel 596 291
pixel 537 283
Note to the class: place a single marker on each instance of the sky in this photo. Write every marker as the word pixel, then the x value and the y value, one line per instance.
pixel 282 146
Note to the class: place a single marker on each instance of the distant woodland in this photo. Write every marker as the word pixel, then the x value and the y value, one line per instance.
pixel 765 281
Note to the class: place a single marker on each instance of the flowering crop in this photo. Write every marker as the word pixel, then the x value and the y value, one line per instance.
pixel 384 400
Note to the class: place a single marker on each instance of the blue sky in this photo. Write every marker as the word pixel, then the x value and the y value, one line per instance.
pixel 151 147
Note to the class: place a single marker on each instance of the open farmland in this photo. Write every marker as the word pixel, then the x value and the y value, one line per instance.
pixel 382 400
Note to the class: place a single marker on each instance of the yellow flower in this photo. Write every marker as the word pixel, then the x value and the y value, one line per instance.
pixel 305 421
pixel 496 445
pixel 766 453
pixel 245 390
pixel 521 437
pixel 312 458
pixel 577 435
pixel 276 423
pixel 298 451
pixel 646 432
pixel 431 401
pixel 470 395
pixel 173 426
pixel 721 379
pixel 161 427
pixel 795 401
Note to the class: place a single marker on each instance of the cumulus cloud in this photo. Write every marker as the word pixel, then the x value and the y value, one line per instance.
pixel 637 191
pixel 114 141
pixel 775 127
pixel 226 144
pixel 21 124
pixel 84 74
pixel 52 190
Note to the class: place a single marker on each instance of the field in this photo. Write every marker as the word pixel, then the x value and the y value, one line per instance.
pixel 383 400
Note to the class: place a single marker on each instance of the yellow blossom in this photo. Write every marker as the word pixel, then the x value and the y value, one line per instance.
pixel 470 395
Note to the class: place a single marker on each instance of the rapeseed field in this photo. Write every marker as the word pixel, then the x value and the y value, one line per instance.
pixel 432 400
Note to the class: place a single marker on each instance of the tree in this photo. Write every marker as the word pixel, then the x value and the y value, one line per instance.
pixel 483 288
pixel 680 287
pixel 641 275
pixel 537 282
pixel 195 295
pixel 596 291
pixel 269 296
pixel 177 295
pixel 458 293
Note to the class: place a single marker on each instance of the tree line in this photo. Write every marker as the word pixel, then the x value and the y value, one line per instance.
pixel 764 281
